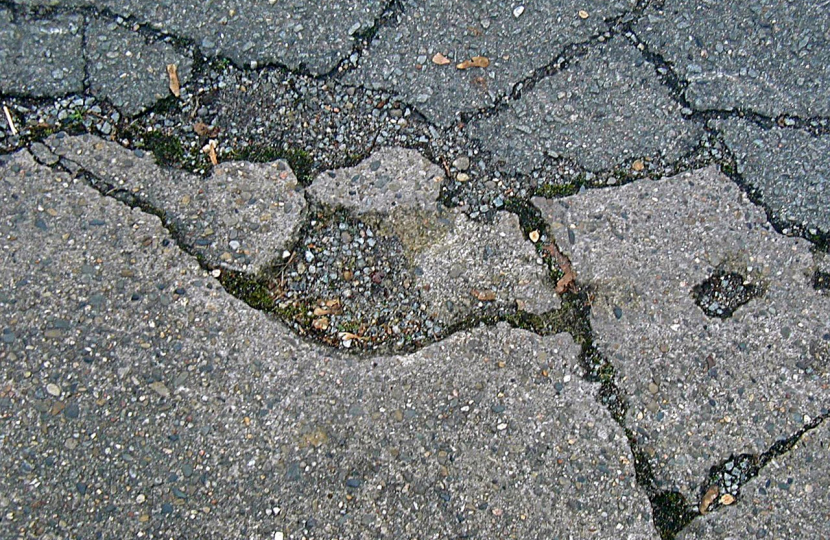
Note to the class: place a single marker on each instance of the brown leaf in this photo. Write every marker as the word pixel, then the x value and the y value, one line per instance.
pixel 320 324
pixel 727 499
pixel 440 59
pixel 484 296
pixel 475 61
pixel 708 499
pixel 349 335
pixel 204 130
pixel 638 165
pixel 174 80
pixel 568 280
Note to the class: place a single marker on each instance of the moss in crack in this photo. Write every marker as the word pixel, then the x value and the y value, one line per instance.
pixel 167 149
pixel 556 191
pixel 166 106
pixel 252 291
pixel 671 513
pixel 670 510
pixel 300 161
pixel 821 280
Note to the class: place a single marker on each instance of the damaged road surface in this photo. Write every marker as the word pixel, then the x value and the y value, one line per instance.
pixel 394 270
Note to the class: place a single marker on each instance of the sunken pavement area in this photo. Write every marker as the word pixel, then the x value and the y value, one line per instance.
pixel 398 269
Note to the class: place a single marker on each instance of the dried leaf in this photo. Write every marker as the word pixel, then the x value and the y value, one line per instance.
pixel 484 296
pixel 638 165
pixel 204 130
pixel 440 59
pixel 210 150
pixel 348 335
pixel 475 61
pixel 708 499
pixel 568 280
pixel 174 80
pixel 320 324
pixel 727 499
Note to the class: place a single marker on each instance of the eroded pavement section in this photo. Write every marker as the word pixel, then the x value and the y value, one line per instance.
pixel 140 398
pixel 710 317
pixel 373 258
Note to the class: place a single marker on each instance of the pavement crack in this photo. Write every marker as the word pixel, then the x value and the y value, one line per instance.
pixel 363 39
pixel 677 86
pixel 727 478
pixel 728 166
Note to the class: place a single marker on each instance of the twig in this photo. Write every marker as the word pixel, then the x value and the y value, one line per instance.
pixel 10 120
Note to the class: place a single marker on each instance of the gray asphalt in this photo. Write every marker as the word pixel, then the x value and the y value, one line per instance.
pixel 414 270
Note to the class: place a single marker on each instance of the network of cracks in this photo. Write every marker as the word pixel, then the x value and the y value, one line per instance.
pixel 351 281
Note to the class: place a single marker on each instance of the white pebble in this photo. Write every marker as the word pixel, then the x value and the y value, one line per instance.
pixel 518 10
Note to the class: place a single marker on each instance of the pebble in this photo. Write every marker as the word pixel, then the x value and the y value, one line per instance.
pixel 462 163
pixel 53 389
pixel 518 10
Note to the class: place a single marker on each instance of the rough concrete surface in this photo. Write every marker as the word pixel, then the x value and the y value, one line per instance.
pixel 516 39
pixel 126 69
pixel 789 499
pixel 241 217
pixel 402 269
pixel 295 33
pixel 500 266
pixel 55 43
pixel 605 109
pixel 389 179
pixel 128 405
pixel 768 57
pixel 700 388
pixel 790 169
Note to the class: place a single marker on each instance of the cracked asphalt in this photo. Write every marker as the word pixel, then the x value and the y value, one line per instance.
pixel 455 269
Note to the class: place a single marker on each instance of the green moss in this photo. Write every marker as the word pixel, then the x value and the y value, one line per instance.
pixel 298 159
pixel 167 149
pixel 167 105
pixel 253 292
pixel 550 191
pixel 729 169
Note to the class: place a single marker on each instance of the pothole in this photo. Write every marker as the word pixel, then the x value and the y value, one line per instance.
pixel 723 292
